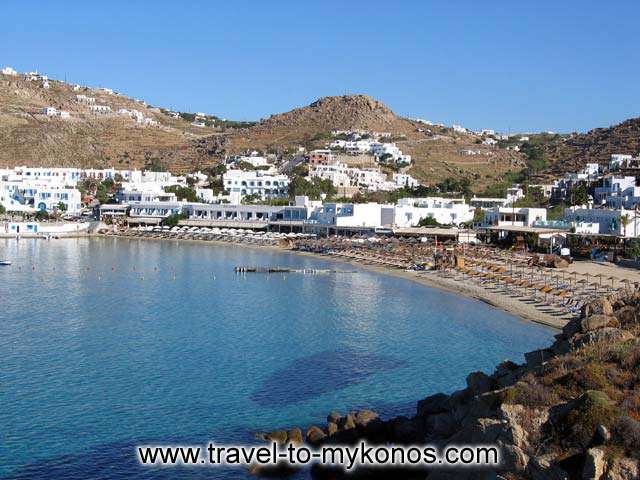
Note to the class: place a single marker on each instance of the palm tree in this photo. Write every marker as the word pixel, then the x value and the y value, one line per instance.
pixel 624 221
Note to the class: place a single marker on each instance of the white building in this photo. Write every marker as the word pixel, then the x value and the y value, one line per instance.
pixel 100 109
pixel 50 199
pixel 50 111
pixel 609 221
pixel 336 173
pixel 257 183
pixel 487 202
pixel 362 215
pixel 613 188
pixel 516 217
pixel 81 98
pixel 205 194
pixel 144 192
pixel 9 71
pixel 445 211
pixel 254 158
pixel 403 180
pixel 371 179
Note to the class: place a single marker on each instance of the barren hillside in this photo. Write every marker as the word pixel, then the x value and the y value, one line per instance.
pixel 29 137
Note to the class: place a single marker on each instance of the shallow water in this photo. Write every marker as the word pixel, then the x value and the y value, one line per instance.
pixel 106 344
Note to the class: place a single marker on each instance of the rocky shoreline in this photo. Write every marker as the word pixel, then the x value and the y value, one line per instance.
pixel 570 411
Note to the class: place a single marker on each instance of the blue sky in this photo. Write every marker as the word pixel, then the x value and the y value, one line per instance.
pixel 518 66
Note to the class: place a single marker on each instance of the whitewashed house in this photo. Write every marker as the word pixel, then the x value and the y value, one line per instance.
pixel 50 199
pixel 258 183
pixel 621 222
pixel 82 98
pixel 100 109
pixel 513 217
pixel 446 211
pixel 403 180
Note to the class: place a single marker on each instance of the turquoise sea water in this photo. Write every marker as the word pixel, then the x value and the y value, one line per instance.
pixel 106 344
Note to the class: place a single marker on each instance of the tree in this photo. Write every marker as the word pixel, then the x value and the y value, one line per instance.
pixel 579 195
pixel 61 207
pixel 428 222
pixel 173 220
pixel 625 220
pixel 2 209
pixel 183 193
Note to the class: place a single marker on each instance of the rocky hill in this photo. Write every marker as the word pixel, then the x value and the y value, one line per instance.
pixel 29 137
pixel 568 154
pixel 314 122
pixel 438 152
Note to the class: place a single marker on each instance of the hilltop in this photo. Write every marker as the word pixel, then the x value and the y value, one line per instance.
pixel 171 141
pixel 439 153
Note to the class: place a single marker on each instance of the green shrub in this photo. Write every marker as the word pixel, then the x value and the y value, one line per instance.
pixel 586 413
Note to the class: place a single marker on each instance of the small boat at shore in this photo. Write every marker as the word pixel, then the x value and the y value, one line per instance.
pixel 5 262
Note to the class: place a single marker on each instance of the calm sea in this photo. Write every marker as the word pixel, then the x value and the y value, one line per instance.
pixel 106 344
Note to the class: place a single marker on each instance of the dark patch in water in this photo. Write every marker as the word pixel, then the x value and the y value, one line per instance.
pixel 321 373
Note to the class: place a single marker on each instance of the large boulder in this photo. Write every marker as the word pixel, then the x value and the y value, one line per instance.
pixel 295 436
pixel 594 464
pixel 513 432
pixel 479 382
pixel 594 322
pixel 622 469
pixel 536 358
pixel 607 308
pixel 608 335
pixel 601 306
pixel 434 404
pixel 440 425
pixel 513 459
pixel 404 430
pixel 334 417
pixel 627 316
pixel 278 436
pixel 364 417
pixel 571 328
pixel 543 468
pixel 332 428
pixel 315 435
pixel 347 422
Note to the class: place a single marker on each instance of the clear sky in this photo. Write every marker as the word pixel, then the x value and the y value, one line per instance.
pixel 507 65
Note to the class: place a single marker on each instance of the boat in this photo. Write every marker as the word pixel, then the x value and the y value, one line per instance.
pixel 5 262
